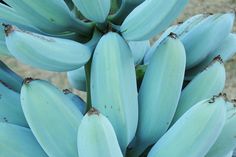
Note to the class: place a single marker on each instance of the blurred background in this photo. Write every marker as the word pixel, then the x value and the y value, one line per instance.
pixel 194 7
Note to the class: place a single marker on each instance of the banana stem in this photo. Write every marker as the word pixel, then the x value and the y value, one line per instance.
pixel 88 72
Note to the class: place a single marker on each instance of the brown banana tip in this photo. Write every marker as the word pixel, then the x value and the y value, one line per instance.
pixel 66 91
pixel 221 95
pixel 173 35
pixel 8 29
pixel 93 111
pixel 28 80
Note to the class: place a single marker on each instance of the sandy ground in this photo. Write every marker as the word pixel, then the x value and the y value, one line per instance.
pixel 194 7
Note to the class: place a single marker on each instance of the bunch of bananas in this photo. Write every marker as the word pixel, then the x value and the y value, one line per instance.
pixel 163 100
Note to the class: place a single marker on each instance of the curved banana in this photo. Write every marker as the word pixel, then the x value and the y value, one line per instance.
pixel 125 7
pixel 226 50
pixel 18 141
pixel 53 17
pixel 49 53
pixel 10 78
pixel 194 133
pixel 152 49
pixel 96 137
pixel 150 18
pixel 95 10
pixel 195 40
pixel 159 92
pixel 10 107
pixel 208 83
pixel 114 74
pixel 139 49
pixel 77 79
pixel 52 117
pixel 79 102
pixel 226 142
pixel 179 30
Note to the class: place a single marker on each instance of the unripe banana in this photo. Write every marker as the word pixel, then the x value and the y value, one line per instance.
pixel 10 107
pixel 179 30
pixel 52 117
pixel 113 72
pixel 159 92
pixel 226 50
pixel 18 141
pixel 226 142
pixel 139 49
pixel 126 6
pixel 150 18
pixel 95 10
pixel 206 84
pixel 194 133
pixel 195 40
pixel 78 101
pixel 44 52
pixel 152 49
pixel 10 78
pixel 53 17
pixel 96 137
pixel 77 78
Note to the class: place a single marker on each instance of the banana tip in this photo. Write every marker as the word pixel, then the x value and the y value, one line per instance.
pixel 173 35
pixel 219 59
pixel 221 95
pixel 93 111
pixel 8 29
pixel 28 80
pixel 66 91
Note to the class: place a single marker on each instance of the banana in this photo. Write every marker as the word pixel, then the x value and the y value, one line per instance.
pixel 10 107
pixel 162 80
pixel 152 49
pixel 49 53
pixel 230 154
pixel 226 50
pixel 9 15
pixel 208 83
pixel 114 74
pixel 53 17
pixel 194 133
pixel 52 117
pixel 126 6
pixel 139 49
pixel 10 78
pixel 18 141
pixel 77 79
pixel 226 141
pixel 3 48
pixel 95 10
pixel 94 40
pixel 79 102
pixel 96 137
pixel 179 30
pixel 150 18
pixel 195 40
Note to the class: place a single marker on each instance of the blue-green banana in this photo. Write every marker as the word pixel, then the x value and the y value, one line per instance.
pixel 94 10
pixel 194 133
pixel 96 136
pixel 49 53
pixel 77 79
pixel 206 84
pixel 52 117
pixel 113 72
pixel 150 18
pixel 159 92
pixel 18 141
pixel 10 107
